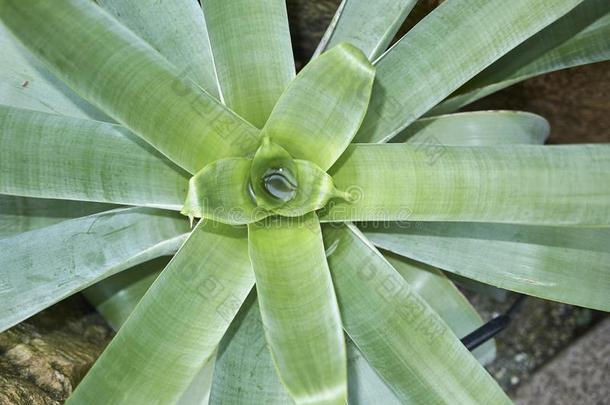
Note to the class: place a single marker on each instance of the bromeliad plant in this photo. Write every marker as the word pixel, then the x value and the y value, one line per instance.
pixel 158 106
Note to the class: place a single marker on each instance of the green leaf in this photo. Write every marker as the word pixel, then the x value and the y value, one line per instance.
pixel 444 298
pixel 400 335
pixel 51 156
pixel 177 325
pixel 478 128
pixel 578 38
pixel 365 386
pixel 116 297
pixel 54 262
pixel 252 54
pixel 299 309
pixel 221 191
pixel 369 26
pixel 562 264
pixel 527 184
pixel 26 83
pixel 125 77
pixel 245 373
pixel 176 29
pixel 21 214
pixel 320 112
pixel 447 48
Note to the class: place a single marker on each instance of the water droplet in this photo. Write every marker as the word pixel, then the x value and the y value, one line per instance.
pixel 280 183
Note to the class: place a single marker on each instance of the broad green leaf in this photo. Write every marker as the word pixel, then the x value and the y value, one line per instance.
pixel 177 325
pixel 321 111
pixel 221 191
pixel 527 184
pixel 121 74
pixel 400 335
pixel 447 48
pixel 245 374
pixel 252 54
pixel 299 309
pixel 562 264
pixel 176 29
pixel 365 386
pixel 22 214
pixel 51 156
pixel 368 25
pixel 41 267
pixel 578 38
pixel 478 128
pixel 116 297
pixel 25 83
pixel 444 298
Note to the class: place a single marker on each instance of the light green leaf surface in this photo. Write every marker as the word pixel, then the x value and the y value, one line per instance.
pixel 25 83
pixel 444 298
pixel 22 214
pixel 368 25
pixel 478 128
pixel 176 327
pixel 116 297
pixel 125 77
pixel 578 38
pixel 244 372
pixel 562 264
pixel 176 29
pixel 401 336
pixel 54 262
pixel 558 185
pixel 447 48
pixel 51 156
pixel 320 112
pixel 221 191
pixel 299 309
pixel 252 54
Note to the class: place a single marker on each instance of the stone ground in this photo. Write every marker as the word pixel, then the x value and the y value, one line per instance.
pixel 548 355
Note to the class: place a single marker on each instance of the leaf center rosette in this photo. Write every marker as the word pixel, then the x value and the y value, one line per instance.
pixel 240 191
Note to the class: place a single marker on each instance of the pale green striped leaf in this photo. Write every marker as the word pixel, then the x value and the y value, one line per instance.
pixel 446 49
pixel 51 156
pixel 578 38
pixel 25 83
pixel 245 374
pixel 177 325
pixel 477 129
pixel 368 25
pixel 562 264
pixel 558 185
pixel 444 298
pixel 176 29
pixel 116 297
pixel 400 335
pixel 252 54
pixel 125 77
pixel 299 309
pixel 22 214
pixel 320 112
pixel 41 267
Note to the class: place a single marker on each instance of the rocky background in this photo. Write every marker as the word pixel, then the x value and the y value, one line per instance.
pixel 43 358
